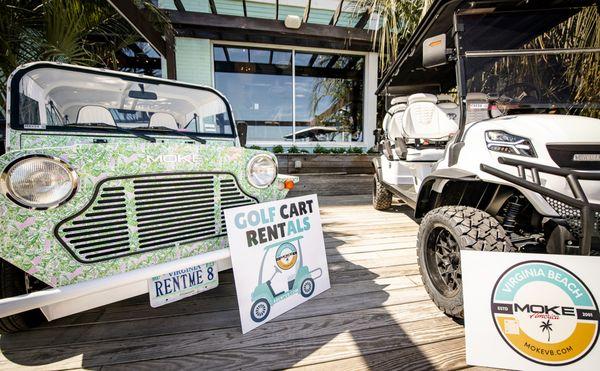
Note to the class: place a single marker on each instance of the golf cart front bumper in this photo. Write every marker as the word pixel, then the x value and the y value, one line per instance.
pixel 581 215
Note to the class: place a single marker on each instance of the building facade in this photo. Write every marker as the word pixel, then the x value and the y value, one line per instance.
pixel 297 72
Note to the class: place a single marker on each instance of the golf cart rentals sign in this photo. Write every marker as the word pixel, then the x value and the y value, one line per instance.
pixel 525 311
pixel 278 257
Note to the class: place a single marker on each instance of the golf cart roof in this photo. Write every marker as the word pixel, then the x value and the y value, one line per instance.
pixel 309 132
pixel 407 74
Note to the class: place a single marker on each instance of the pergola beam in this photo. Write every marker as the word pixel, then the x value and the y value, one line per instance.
pixel 306 12
pixel 364 18
pixel 336 15
pixel 179 5
pixel 213 6
pixel 140 21
pixel 235 28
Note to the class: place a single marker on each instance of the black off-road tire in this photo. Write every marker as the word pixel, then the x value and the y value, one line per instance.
pixel 382 198
pixel 12 283
pixel 472 229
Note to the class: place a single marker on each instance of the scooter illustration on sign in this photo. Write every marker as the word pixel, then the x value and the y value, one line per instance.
pixel 290 277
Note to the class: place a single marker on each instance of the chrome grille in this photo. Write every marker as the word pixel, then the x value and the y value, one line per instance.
pixel 231 197
pixel 130 215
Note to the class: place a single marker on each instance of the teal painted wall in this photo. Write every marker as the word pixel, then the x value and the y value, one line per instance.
pixel 194 60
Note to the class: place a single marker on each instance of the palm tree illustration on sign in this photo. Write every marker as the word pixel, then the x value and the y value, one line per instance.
pixel 546 326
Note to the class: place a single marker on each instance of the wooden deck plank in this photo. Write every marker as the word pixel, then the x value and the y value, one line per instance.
pixel 376 315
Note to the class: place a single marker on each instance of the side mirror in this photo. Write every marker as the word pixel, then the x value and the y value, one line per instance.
pixel 242 130
pixel 434 51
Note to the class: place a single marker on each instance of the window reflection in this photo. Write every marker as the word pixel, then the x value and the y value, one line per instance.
pixel 258 84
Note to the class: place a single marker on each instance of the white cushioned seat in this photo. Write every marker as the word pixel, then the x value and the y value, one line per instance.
pixel 95 115
pixel 446 104
pixel 424 120
pixel 392 122
pixel 163 119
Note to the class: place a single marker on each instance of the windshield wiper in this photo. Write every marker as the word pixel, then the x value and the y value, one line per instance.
pixel 116 128
pixel 184 133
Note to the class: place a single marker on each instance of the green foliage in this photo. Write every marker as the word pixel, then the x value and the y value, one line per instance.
pixel 355 150
pixel 89 32
pixel 293 149
pixel 339 150
pixel 397 20
pixel 254 146
pixel 278 149
pixel 321 150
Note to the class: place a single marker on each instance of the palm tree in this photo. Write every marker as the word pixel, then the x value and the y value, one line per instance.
pixel 87 32
pixel 546 326
pixel 395 22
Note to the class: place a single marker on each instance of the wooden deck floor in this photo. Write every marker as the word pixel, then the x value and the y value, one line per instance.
pixel 376 315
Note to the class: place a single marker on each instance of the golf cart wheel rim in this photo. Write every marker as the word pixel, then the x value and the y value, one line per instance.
pixel 307 286
pixel 442 257
pixel 260 310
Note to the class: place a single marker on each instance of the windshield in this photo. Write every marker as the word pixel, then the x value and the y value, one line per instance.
pixel 52 97
pixel 542 61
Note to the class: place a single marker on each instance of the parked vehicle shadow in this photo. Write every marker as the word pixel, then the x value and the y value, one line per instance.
pixel 370 318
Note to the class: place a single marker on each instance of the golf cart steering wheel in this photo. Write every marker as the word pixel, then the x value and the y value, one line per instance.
pixel 521 92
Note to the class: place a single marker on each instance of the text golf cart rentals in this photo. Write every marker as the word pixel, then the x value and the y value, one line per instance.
pixel 492 134
pixel 113 183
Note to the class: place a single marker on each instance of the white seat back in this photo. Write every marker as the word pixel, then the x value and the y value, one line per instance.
pixel 477 107
pixel 392 122
pixel 163 119
pixel 424 120
pixel 95 114
pixel 446 104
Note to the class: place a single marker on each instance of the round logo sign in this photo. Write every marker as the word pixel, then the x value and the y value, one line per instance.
pixel 545 313
pixel 286 256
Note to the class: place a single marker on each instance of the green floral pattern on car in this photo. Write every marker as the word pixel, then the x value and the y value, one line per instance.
pixel 27 239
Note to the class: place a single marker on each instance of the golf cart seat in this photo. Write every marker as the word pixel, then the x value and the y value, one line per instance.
pixel 477 107
pixel 424 121
pixel 446 104
pixel 163 119
pixel 95 114
pixel 392 122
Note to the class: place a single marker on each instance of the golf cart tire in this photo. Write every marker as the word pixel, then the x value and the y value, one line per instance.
pixel 382 198
pixel 472 229
pixel 308 294
pixel 257 319
pixel 12 283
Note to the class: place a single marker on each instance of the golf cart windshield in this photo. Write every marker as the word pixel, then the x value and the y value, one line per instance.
pixel 543 61
pixel 67 98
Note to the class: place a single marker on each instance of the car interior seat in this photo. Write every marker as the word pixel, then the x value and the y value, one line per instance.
pixel 95 115
pixel 392 123
pixel 446 104
pixel 424 121
pixel 477 107
pixel 163 119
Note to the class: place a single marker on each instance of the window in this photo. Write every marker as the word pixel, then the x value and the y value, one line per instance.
pixel 67 97
pixel 283 95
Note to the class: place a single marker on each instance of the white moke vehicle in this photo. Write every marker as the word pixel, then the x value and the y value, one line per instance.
pixel 506 160
pixel 114 185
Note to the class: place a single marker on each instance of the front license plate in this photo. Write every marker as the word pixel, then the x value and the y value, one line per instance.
pixel 180 284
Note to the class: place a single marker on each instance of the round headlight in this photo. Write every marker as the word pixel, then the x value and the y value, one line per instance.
pixel 39 182
pixel 262 171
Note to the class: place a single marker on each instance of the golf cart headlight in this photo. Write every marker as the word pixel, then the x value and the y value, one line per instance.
pixel 501 141
pixel 39 182
pixel 262 171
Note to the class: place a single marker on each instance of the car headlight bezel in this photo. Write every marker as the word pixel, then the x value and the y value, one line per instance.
pixel 510 144
pixel 250 168
pixel 7 186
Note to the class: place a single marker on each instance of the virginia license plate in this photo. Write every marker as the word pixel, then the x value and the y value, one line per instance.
pixel 183 283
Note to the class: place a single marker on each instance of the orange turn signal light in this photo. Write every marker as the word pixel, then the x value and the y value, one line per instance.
pixel 288 184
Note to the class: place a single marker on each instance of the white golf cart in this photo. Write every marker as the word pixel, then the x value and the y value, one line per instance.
pixel 505 160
